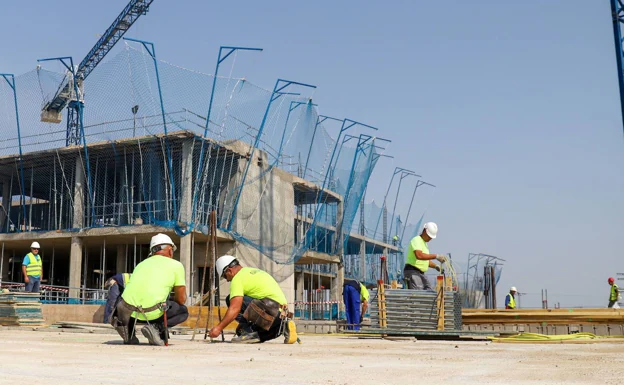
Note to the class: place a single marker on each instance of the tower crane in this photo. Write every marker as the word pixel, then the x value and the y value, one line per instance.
pixel 70 93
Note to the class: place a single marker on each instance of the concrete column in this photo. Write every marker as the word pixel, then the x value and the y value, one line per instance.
pixel 186 211
pixel 299 286
pixel 336 288
pixel 75 267
pixel 6 205
pixel 363 261
pixel 122 259
pixel 4 263
pixel 79 196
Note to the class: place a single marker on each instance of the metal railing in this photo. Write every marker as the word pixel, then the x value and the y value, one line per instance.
pixel 53 294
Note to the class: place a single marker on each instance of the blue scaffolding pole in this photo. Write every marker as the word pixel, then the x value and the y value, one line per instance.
pixel 617 11
pixel 10 79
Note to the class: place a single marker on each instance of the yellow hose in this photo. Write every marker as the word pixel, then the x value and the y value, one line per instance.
pixel 535 337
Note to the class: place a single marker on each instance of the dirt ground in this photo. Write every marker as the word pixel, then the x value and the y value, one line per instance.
pixel 36 357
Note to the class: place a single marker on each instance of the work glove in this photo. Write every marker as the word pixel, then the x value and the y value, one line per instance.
pixel 438 268
pixel 441 258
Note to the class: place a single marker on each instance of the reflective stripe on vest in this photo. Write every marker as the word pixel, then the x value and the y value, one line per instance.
pixel 34 266
pixel 512 301
pixel 126 277
pixel 614 292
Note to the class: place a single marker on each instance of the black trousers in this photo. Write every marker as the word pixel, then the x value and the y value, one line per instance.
pixel 248 327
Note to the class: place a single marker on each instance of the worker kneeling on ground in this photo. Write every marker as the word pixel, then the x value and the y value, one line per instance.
pixel 418 260
pixel 256 302
pixel 116 286
pixel 354 293
pixel 145 297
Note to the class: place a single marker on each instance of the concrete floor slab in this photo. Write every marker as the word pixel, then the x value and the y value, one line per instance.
pixel 60 358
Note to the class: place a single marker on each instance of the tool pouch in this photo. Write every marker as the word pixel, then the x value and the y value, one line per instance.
pixel 262 312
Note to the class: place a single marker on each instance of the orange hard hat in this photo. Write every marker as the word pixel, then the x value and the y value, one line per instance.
pixel 611 280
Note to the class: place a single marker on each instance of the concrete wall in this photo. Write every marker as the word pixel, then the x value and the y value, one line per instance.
pixel 265 216
pixel 73 313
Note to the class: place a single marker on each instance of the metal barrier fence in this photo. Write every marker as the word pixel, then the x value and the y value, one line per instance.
pixel 52 294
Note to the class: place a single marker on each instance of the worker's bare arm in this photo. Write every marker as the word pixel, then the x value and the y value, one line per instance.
pixel 179 294
pixel 424 257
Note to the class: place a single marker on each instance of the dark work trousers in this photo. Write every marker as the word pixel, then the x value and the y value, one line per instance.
pixel 33 284
pixel 248 327
pixel 114 292
pixel 176 314
pixel 415 279
pixel 352 303
pixel 612 302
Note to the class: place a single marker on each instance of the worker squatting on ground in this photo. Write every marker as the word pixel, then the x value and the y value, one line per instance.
pixel 32 269
pixel 256 301
pixel 510 299
pixel 354 293
pixel 614 294
pixel 116 285
pixel 145 298
pixel 418 260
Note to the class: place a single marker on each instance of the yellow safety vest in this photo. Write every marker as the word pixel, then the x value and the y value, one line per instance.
pixel 126 277
pixel 33 268
pixel 614 292
pixel 512 301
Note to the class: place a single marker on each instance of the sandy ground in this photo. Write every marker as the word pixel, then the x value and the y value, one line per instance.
pixel 35 357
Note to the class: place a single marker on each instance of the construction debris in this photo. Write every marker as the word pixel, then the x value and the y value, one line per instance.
pixel 20 309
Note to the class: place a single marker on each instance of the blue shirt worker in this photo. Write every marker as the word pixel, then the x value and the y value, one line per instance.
pixel 32 269
pixel 355 294
pixel 256 302
pixel 510 299
pixel 418 260
pixel 116 285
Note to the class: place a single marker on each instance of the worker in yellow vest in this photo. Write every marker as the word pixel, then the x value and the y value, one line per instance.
pixel 32 269
pixel 116 285
pixel 510 299
pixel 615 292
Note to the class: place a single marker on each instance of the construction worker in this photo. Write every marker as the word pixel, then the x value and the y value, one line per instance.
pixel 418 260
pixel 116 285
pixel 32 268
pixel 510 299
pixel 145 297
pixel 256 301
pixel 354 293
pixel 615 292
pixel 395 240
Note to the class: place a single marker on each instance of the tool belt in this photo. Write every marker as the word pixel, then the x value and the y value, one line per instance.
pixel 120 318
pixel 263 312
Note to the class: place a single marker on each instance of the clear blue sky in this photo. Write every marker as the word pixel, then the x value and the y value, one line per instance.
pixel 510 108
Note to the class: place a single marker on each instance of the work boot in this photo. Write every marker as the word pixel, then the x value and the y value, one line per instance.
pixel 290 332
pixel 246 338
pixel 133 341
pixel 153 335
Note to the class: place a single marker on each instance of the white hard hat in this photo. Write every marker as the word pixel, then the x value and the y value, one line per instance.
pixel 161 239
pixel 35 245
pixel 513 288
pixel 223 262
pixel 432 229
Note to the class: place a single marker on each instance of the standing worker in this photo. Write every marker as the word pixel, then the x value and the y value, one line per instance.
pixel 418 260
pixel 116 285
pixel 615 292
pixel 395 240
pixel 256 301
pixel 32 268
pixel 354 293
pixel 510 299
pixel 145 298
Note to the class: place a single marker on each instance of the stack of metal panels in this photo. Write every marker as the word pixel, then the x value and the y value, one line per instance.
pixel 416 310
pixel 20 309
